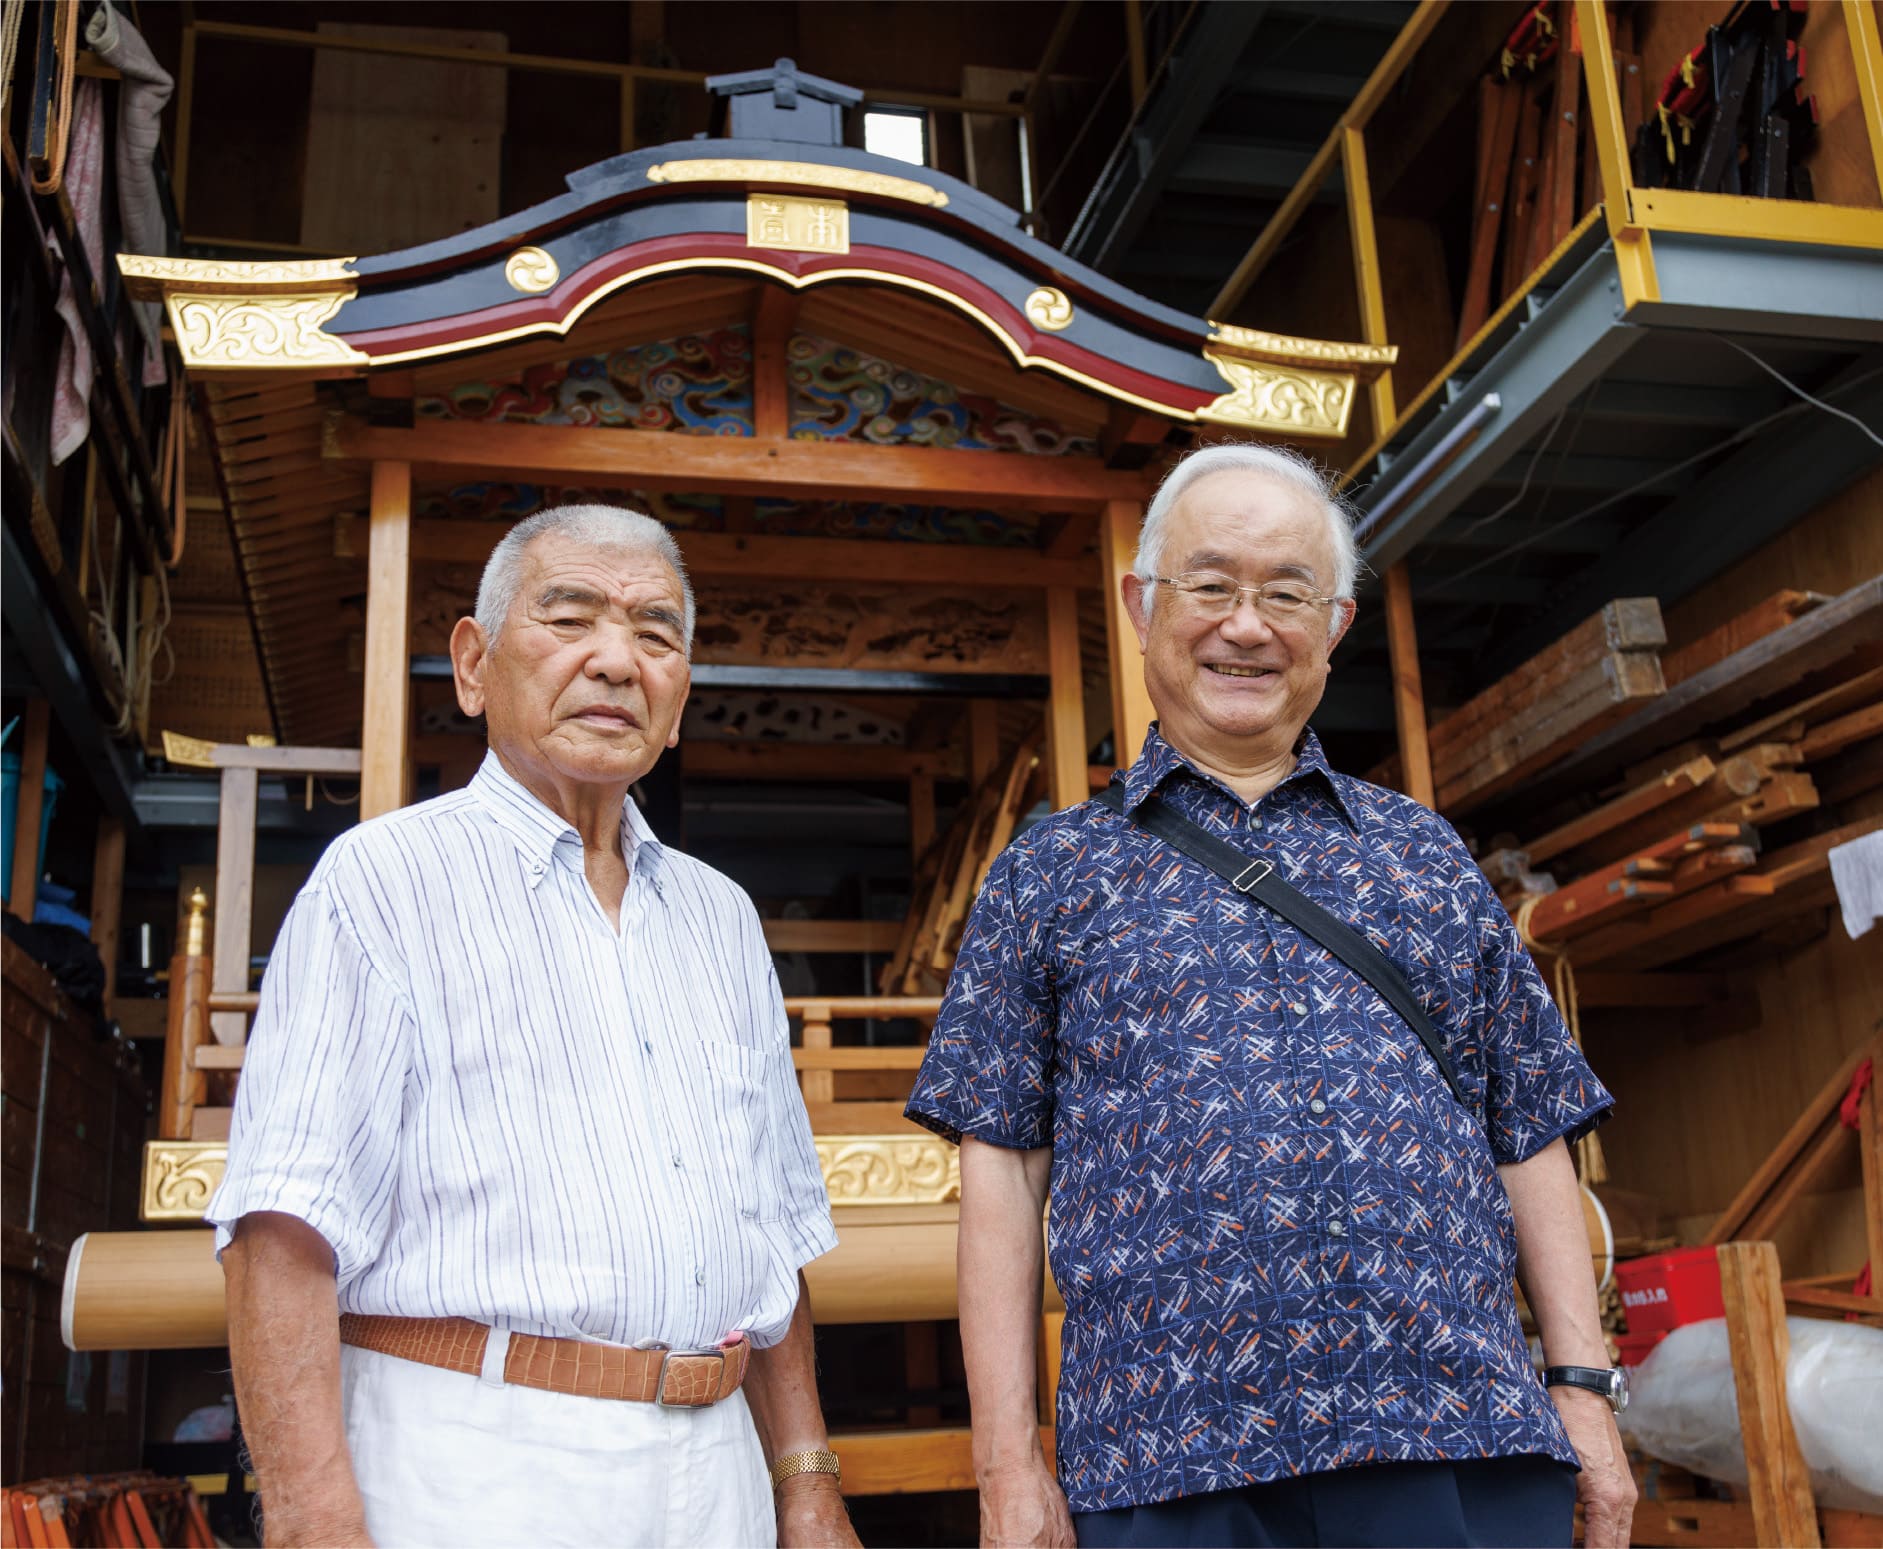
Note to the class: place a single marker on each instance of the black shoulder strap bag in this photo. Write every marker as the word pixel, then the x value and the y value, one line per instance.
pixel 1259 879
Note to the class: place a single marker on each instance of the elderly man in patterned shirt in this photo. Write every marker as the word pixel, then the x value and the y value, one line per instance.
pixel 1288 1251
pixel 520 1183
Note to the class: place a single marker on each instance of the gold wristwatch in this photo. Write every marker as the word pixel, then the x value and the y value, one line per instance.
pixel 821 1461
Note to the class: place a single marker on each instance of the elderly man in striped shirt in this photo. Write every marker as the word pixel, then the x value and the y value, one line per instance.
pixel 520 1183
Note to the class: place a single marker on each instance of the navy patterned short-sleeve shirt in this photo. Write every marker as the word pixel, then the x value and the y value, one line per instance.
pixel 1282 1243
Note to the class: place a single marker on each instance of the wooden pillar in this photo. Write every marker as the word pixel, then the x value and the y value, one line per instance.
pixel 185 1088
pixel 1870 1145
pixel 1402 644
pixel 921 816
pixel 1134 50
pixel 385 729
pixel 235 899
pixel 1783 1511
pixel 820 1086
pixel 983 741
pixel 1067 780
pixel 29 798
pixel 773 319
pixel 1131 711
pixel 108 899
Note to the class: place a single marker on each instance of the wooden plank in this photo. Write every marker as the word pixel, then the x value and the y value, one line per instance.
pixel 1774 613
pixel 1559 194
pixel 1795 721
pixel 1783 1511
pixel 1131 712
pixel 1637 802
pixel 826 1058
pixel 217 1056
pixel 210 1123
pixel 234 902
pixel 29 803
pixel 1870 1153
pixel 1402 644
pixel 1846 731
pixel 1816 1299
pixel 107 900
pixel 386 719
pixel 1066 743
pixel 903 1462
pixel 841 1008
pixel 1817 640
pixel 816 1080
pixel 286 761
pixel 1824 1149
pixel 1497 137
pixel 1596 988
pixel 802 761
pixel 441 541
pixel 772 321
pixel 831 935
pixel 739 465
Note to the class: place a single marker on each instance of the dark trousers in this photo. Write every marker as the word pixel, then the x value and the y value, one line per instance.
pixel 1508 1503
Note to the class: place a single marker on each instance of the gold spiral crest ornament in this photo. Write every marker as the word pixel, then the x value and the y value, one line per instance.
pixel 531 270
pixel 1049 308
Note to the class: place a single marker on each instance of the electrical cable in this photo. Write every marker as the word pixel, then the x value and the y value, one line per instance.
pixel 1791 386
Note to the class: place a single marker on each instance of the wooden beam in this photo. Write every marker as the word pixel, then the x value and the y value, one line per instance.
pixel 739 465
pixel 832 935
pixel 898 1462
pixel 1066 751
pixel 107 899
pixel 29 801
pixel 834 761
pixel 283 760
pixel 1402 644
pixel 744 556
pixel 234 902
pixel 1134 49
pixel 1131 709
pixel 385 725
pixel 1783 1511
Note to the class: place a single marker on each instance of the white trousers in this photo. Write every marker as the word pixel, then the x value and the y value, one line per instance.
pixel 446 1461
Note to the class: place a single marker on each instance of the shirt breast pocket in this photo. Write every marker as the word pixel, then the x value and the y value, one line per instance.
pixel 742 1104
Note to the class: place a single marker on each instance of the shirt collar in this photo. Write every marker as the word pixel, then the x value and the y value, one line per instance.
pixel 1159 761
pixel 536 830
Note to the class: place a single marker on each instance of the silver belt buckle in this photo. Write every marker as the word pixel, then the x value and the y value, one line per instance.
pixel 660 1389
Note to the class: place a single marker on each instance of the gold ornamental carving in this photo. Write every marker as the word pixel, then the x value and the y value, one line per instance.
pixel 804 174
pixel 179 1178
pixel 788 224
pixel 152 279
pixel 1050 308
pixel 1285 400
pixel 1281 349
pixel 889 1169
pixel 259 332
pixel 531 270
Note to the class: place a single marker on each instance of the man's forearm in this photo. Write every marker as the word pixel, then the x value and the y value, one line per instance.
pixel 1553 1264
pixel 999 1264
pixel 284 1344
pixel 781 1387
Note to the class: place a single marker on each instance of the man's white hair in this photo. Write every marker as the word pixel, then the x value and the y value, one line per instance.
pixel 1276 462
pixel 614 529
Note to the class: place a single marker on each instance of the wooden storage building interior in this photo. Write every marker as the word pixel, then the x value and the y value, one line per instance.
pixel 1623 622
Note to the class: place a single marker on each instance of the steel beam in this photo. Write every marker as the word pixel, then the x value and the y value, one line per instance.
pixel 1740 285
pixel 1566 346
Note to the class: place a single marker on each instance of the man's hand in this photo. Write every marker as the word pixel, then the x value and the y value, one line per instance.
pixel 295 1532
pixel 1023 1505
pixel 811 1514
pixel 1606 1485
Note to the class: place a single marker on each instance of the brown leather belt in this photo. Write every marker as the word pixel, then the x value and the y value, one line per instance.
pixel 676 1379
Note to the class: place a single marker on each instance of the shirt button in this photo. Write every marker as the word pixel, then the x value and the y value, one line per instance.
pixel 1317 1106
pixel 699 1277
pixel 1255 820
pixel 1336 1229
pixel 1299 1008
pixel 680 1164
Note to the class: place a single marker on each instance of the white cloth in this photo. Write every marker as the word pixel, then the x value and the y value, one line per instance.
pixel 495 1106
pixel 452 1461
pixel 1857 873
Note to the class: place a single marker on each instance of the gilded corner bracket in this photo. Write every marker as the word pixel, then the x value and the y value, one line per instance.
pixel 234 316
pixel 179 1178
pixel 1289 386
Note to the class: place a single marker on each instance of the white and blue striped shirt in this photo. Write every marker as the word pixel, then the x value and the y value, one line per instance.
pixel 493 1105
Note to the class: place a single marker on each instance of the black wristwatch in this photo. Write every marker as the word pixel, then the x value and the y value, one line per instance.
pixel 1610 1381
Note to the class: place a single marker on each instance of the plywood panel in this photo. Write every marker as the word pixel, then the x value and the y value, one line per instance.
pixel 401 151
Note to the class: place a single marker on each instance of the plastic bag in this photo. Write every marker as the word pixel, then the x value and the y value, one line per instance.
pixel 1683 1409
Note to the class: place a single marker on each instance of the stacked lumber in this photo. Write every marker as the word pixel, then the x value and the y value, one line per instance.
pixel 951 873
pixel 1725 828
pixel 1594 676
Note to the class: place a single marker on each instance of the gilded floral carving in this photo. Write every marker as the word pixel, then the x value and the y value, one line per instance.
pixel 1295 401
pixel 259 331
pixel 890 1169
pixel 720 169
pixel 179 1178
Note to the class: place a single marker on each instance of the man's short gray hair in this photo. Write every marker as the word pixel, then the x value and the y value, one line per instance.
pixel 615 529
pixel 1278 462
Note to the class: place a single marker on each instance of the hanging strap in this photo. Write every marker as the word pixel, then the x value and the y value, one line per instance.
pixel 1260 881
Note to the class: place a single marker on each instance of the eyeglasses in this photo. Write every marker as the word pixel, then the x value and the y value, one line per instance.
pixel 1209 594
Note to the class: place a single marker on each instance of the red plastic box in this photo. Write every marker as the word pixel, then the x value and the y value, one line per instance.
pixel 1667 1290
pixel 1632 1349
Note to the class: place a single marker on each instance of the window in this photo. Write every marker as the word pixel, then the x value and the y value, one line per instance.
pixel 901 133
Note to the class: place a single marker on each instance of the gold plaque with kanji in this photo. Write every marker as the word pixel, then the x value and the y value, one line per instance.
pixel 797 225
